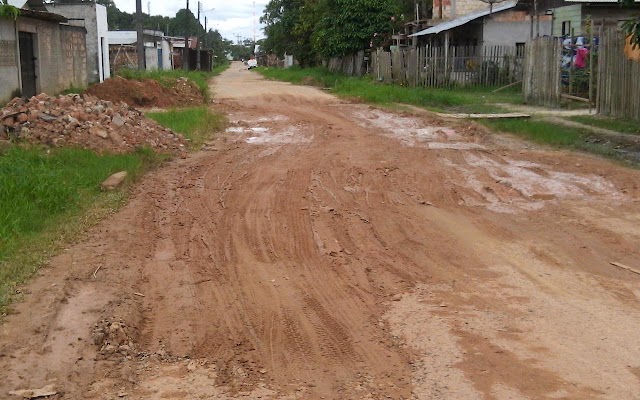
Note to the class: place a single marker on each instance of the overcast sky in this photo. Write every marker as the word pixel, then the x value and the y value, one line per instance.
pixel 230 17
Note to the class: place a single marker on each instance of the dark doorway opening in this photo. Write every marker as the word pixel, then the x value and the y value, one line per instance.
pixel 28 64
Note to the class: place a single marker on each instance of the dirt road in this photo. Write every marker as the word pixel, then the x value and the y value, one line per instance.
pixel 323 249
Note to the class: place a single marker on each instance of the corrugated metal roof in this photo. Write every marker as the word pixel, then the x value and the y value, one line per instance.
pixel 454 23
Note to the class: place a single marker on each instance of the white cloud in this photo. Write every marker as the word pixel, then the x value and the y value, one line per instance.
pixel 231 18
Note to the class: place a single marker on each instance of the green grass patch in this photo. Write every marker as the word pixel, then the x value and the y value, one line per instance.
pixel 613 124
pixel 538 131
pixel 470 100
pixel 197 124
pixel 48 197
pixel 167 78
pixel 565 137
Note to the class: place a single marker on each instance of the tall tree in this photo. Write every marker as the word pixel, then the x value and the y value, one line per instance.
pixel 348 26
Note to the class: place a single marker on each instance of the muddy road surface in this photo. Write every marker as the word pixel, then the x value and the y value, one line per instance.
pixel 325 249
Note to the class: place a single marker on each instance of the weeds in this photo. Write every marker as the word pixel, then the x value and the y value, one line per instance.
pixel 167 78
pixel 48 197
pixel 613 124
pixel 197 124
pixel 468 100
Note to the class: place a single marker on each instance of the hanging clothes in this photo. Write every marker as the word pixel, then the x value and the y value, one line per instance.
pixel 581 57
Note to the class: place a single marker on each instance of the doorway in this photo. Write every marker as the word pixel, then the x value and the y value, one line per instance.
pixel 28 64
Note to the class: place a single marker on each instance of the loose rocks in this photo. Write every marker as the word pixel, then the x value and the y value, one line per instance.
pixel 84 121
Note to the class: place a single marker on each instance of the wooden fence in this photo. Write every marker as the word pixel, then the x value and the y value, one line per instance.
pixel 618 80
pixel 542 71
pixel 433 66
pixel 352 65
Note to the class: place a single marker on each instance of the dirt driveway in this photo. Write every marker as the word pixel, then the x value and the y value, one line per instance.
pixel 322 249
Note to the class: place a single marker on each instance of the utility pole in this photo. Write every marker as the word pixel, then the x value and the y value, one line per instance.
pixel 185 53
pixel 140 35
pixel 198 64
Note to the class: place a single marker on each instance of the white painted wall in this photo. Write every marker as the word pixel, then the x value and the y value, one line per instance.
pixel 103 42
pixel 166 55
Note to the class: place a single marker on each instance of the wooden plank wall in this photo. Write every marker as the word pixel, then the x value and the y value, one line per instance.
pixel 352 64
pixel 619 79
pixel 542 69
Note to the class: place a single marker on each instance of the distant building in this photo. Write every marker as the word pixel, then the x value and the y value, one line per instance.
pixel 40 52
pixel 93 17
pixel 123 50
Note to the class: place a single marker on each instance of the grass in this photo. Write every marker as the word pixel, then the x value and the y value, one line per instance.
pixel 168 77
pixel 471 100
pixel 614 124
pixel 539 131
pixel 551 134
pixel 48 197
pixel 197 124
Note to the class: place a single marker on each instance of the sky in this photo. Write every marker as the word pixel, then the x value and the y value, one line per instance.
pixel 229 17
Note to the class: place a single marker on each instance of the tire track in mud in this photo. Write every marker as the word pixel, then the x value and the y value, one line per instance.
pixel 341 251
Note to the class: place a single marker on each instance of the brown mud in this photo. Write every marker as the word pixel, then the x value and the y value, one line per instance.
pixel 324 249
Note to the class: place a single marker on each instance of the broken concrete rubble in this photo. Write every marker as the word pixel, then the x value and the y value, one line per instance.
pixel 84 121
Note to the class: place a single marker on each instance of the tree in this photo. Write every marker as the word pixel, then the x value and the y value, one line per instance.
pixel 348 26
pixel 280 18
pixel 632 27
pixel 8 11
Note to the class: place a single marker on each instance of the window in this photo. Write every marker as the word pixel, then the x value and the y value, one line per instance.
pixel 566 28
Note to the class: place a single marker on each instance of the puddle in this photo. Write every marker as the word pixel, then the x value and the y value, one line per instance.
pixel 412 132
pixel 289 135
pixel 521 185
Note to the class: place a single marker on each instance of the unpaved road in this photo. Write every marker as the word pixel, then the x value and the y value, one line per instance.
pixel 327 249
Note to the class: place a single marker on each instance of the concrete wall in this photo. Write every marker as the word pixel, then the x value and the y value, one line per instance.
pixel 456 8
pixel 61 56
pixel 93 17
pixel 73 70
pixel 151 58
pixel 103 42
pixel 9 61
pixel 511 27
pixel 166 55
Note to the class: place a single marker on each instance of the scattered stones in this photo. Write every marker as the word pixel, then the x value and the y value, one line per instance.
pixel 114 180
pixel 113 339
pixel 85 121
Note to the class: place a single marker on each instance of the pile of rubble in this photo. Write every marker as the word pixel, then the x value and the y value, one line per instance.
pixel 84 121
pixel 113 339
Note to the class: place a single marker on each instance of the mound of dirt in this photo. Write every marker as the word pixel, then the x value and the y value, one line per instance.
pixel 148 93
pixel 85 121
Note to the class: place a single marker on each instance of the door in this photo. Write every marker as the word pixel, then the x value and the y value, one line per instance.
pixel 160 61
pixel 27 64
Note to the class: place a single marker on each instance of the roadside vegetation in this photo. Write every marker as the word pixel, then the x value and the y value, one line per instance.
pixel 167 78
pixel 467 100
pixel 613 124
pixel 48 197
pixel 470 100
pixel 555 135
pixel 197 124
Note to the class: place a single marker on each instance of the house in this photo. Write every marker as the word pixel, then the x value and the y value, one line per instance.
pixel 510 23
pixel 572 18
pixel 123 50
pixel 40 52
pixel 93 17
